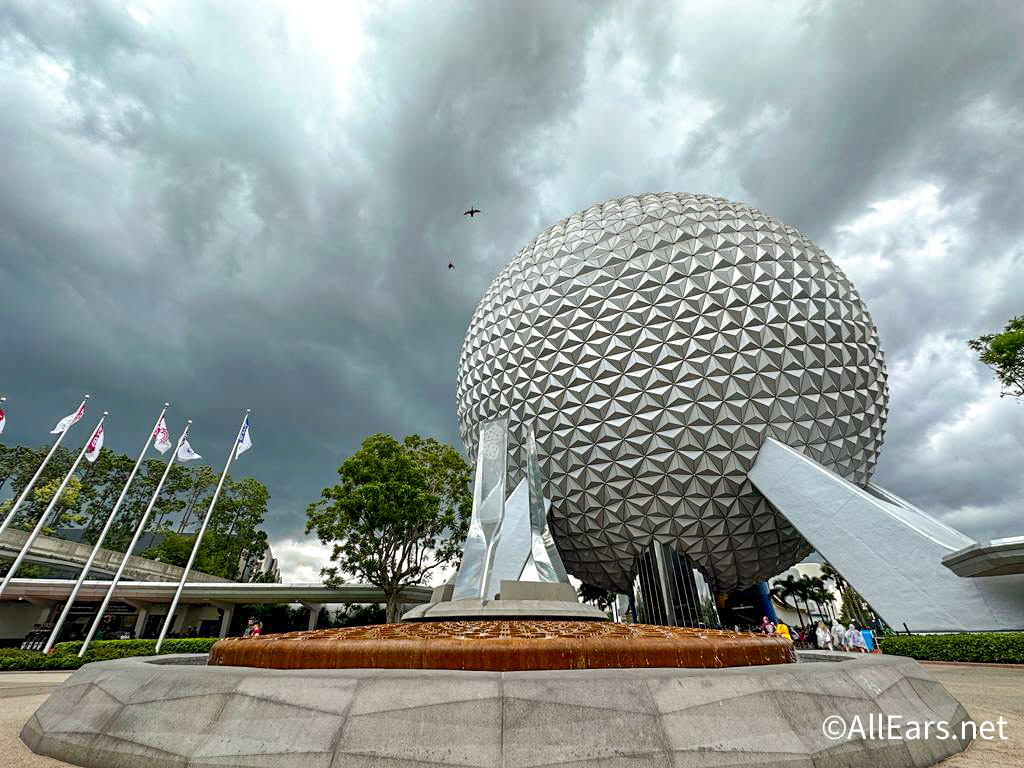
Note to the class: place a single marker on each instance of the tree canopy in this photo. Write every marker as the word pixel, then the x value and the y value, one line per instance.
pixel 1003 352
pixel 233 534
pixel 399 511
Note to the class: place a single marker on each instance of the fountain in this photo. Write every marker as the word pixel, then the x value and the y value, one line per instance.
pixel 477 623
pixel 504 668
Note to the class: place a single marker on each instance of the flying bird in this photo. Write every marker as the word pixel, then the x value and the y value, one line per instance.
pixel 450 265
pixel 471 212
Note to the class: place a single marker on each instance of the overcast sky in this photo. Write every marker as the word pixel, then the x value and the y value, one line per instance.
pixel 242 204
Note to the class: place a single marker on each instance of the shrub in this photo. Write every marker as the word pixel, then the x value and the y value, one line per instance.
pixel 988 647
pixel 65 655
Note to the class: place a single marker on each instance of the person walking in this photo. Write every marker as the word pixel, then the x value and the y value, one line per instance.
pixel 767 627
pixel 855 640
pixel 783 631
pixel 838 636
pixel 823 636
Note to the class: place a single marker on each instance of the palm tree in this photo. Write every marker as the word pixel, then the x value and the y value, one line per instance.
pixel 827 599
pixel 785 589
pixel 821 596
pixel 829 573
pixel 806 593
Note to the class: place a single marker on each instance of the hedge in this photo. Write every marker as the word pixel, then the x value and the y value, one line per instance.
pixel 65 655
pixel 988 647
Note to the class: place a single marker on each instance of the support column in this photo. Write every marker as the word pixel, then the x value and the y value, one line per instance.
pixel 140 621
pixel 665 585
pixel 314 612
pixel 179 618
pixel 227 614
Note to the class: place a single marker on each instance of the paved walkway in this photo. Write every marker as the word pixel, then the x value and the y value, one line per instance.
pixel 987 691
pixel 21 693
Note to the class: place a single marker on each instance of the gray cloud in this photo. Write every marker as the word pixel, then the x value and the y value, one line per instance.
pixel 233 205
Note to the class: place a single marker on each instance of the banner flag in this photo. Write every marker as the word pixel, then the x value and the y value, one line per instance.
pixel 244 442
pixel 93 449
pixel 161 437
pixel 67 421
pixel 3 421
pixel 185 452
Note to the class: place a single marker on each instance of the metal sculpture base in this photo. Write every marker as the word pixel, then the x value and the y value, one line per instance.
pixel 516 600
pixel 131 712
pixel 472 609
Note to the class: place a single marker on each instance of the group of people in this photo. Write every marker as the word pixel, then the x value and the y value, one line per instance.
pixel 253 629
pixel 822 637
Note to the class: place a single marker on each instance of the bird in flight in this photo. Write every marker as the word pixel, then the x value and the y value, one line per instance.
pixel 471 212
pixel 450 265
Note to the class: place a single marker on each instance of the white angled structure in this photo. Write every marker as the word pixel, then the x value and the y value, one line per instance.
pixel 889 550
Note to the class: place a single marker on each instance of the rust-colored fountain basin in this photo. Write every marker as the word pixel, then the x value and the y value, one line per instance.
pixel 503 646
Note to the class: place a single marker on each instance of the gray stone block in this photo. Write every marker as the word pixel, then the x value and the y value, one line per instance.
pixel 475 608
pixel 176 725
pixel 251 727
pixel 537 590
pixel 131 713
pixel 466 732
pixel 551 733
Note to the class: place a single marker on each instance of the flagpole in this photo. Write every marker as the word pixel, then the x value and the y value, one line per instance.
pixel 49 507
pixel 135 540
pixel 199 537
pixel 103 535
pixel 28 488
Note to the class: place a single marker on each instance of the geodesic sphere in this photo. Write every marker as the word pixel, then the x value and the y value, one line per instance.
pixel 653 343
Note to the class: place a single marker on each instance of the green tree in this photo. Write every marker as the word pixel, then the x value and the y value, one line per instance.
pixel 598 596
pixel 398 512
pixel 359 615
pixel 234 526
pixel 233 535
pixel 67 507
pixel 810 592
pixel 26 462
pixel 852 607
pixel 787 588
pixel 175 548
pixel 1003 352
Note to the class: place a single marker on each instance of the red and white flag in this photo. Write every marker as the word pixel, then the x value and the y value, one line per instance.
pixel 93 449
pixel 161 437
pixel 3 421
pixel 67 421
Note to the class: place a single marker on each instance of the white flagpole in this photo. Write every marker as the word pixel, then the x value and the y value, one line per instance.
pixel 28 488
pixel 199 537
pixel 103 535
pixel 49 508
pixel 131 546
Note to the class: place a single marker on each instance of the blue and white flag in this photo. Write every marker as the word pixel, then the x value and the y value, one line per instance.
pixel 185 452
pixel 244 442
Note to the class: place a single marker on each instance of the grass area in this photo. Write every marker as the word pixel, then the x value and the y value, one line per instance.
pixel 985 647
pixel 65 655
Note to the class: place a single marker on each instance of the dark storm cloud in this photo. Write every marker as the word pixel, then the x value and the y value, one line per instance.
pixel 215 203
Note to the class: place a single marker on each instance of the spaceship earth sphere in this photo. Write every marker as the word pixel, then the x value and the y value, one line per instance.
pixel 653 343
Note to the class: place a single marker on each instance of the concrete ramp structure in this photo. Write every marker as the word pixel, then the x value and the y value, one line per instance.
pixel 889 550
pixel 50 550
